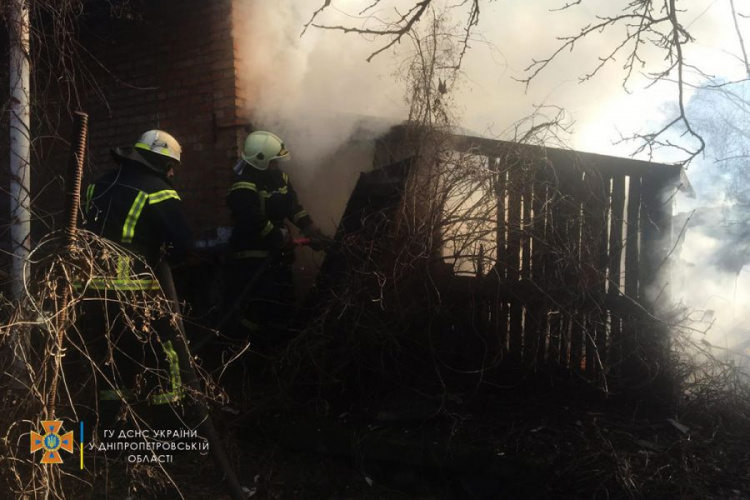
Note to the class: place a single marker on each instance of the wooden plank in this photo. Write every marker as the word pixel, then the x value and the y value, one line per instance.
pixel 538 261
pixel 515 336
pixel 501 192
pixel 608 165
pixel 530 338
pixel 600 340
pixel 576 270
pixel 593 330
pixel 527 189
pixel 552 267
pixel 631 367
pixel 586 277
pixel 500 271
pixel 649 252
pixel 565 215
pixel 512 259
pixel 656 237
pixel 632 236
pixel 655 246
pixel 555 338
pixel 543 336
pixel 614 281
pixel 594 264
pixel 530 334
pixel 565 325
pixel 577 328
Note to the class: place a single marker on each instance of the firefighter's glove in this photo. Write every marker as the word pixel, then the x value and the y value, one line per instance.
pixel 287 244
pixel 320 242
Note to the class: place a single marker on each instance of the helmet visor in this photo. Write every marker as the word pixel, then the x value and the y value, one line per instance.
pixel 283 154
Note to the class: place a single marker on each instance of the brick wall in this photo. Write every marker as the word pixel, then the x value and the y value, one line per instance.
pixel 172 69
pixel 4 163
pixel 169 65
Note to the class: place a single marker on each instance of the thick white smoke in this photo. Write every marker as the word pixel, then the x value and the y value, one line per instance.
pixel 321 96
pixel 710 275
pixel 313 90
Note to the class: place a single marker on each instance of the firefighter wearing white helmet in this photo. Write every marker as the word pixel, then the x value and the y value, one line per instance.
pixel 136 206
pixel 262 147
pixel 155 149
pixel 262 199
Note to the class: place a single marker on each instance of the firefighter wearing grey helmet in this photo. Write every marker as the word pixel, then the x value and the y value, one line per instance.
pixel 155 149
pixel 262 147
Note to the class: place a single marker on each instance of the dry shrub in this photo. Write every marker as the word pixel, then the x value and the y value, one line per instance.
pixel 49 370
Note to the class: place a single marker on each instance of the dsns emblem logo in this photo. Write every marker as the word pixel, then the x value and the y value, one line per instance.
pixel 51 442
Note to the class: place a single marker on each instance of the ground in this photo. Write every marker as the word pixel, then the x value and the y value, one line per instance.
pixel 480 446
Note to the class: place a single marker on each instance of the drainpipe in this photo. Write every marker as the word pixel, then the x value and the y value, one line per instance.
pixel 20 145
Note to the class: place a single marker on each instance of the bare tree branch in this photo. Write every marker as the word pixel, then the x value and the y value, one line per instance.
pixel 403 26
pixel 739 36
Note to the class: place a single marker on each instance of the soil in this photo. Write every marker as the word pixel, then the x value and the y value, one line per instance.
pixel 480 446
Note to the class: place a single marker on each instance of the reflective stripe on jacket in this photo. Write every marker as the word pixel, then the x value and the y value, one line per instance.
pixel 260 201
pixel 141 210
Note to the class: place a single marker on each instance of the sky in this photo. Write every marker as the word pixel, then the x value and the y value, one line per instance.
pixel 601 108
pixel 313 89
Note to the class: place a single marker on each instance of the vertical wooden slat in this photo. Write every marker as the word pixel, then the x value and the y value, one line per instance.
pixel 591 273
pixel 632 235
pixel 596 348
pixel 555 336
pixel 576 268
pixel 667 191
pixel 565 325
pixel 527 188
pixel 577 328
pixel 557 272
pixel 513 257
pixel 501 183
pixel 632 368
pixel 649 251
pixel 530 324
pixel 656 235
pixel 500 310
pixel 614 281
pixel 538 246
pixel 655 231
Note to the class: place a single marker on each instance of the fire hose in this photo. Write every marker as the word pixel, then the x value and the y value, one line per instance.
pixel 190 379
pixel 239 301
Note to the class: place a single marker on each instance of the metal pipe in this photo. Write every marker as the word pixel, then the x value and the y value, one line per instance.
pixel 20 145
pixel 72 202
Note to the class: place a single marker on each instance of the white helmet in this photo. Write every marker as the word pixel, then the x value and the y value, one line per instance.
pixel 261 147
pixel 155 149
pixel 161 143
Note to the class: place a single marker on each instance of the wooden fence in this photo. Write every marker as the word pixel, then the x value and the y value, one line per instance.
pixel 569 283
pixel 582 245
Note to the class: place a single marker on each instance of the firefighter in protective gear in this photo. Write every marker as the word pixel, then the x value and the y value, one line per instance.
pixel 261 198
pixel 136 206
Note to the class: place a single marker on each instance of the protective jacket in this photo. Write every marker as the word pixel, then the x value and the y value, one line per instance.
pixel 259 202
pixel 139 209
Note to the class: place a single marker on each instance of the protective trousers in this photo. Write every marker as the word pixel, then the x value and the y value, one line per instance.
pixel 261 292
pixel 135 358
